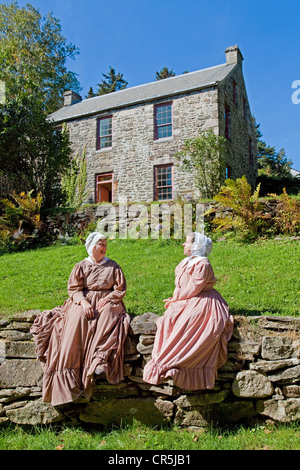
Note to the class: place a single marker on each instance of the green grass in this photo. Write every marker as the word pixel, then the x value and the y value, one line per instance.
pixel 256 279
pixel 140 437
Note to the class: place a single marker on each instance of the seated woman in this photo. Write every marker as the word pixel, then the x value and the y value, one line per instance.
pixel 191 339
pixel 86 335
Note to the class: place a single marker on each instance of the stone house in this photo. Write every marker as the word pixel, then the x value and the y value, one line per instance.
pixel 131 136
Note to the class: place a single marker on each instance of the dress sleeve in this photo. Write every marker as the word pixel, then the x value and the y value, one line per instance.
pixel 199 276
pixel 119 287
pixel 76 285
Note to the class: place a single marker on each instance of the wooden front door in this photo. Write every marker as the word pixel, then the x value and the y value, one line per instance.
pixel 104 187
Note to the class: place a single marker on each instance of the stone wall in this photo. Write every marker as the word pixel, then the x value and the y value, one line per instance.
pixel 260 380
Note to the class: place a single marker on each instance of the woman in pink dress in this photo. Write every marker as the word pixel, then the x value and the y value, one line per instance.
pixel 191 338
pixel 84 337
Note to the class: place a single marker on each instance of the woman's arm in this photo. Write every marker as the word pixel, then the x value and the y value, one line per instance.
pixel 75 290
pixel 119 289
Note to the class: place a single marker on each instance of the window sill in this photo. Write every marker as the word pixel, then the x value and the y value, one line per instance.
pixel 164 139
pixel 106 149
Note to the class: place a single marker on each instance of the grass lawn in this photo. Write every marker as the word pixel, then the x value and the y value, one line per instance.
pixel 139 437
pixel 255 279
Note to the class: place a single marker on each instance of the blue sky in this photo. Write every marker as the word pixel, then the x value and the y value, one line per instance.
pixel 140 37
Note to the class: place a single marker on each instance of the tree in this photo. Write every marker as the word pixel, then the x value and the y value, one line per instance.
pixel 91 93
pixel 164 73
pixel 204 157
pixel 33 153
pixel 33 56
pixel 274 169
pixel 113 82
pixel 270 162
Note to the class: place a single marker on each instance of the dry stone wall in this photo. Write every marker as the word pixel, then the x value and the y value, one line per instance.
pixel 260 380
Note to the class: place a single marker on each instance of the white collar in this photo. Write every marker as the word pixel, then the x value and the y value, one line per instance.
pixel 192 261
pixel 89 259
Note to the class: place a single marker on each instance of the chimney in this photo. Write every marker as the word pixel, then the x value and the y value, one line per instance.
pixel 233 56
pixel 70 97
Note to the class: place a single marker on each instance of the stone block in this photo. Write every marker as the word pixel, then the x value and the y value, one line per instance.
pixel 291 391
pixel 269 366
pixel 252 384
pixel 124 410
pixel 290 375
pixel 280 410
pixel 28 316
pixel 144 324
pixel 20 349
pixel 278 347
pixel 34 413
pixel 20 373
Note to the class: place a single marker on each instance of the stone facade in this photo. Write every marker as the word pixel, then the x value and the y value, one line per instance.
pixel 260 380
pixel 135 152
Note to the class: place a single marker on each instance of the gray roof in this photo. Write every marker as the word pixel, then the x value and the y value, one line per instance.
pixel 147 92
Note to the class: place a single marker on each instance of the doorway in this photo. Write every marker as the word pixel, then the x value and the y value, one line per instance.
pixel 104 187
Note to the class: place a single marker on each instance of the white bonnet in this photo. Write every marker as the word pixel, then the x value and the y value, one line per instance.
pixel 202 245
pixel 92 240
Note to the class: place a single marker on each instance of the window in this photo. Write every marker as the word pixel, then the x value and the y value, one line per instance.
pixel 234 87
pixel 104 132
pixel 104 187
pixel 250 151
pixel 244 109
pixel 163 176
pixel 163 121
pixel 228 172
pixel 227 118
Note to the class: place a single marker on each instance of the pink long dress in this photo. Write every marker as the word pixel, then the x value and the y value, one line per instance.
pixel 70 346
pixel 191 338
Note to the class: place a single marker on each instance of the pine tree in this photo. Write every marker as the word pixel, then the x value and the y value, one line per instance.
pixel 113 82
pixel 164 73
pixel 91 93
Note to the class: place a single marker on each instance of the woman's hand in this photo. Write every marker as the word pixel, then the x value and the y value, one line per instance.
pixel 88 310
pixel 101 303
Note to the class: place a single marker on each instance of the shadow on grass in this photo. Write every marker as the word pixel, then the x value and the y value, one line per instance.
pixel 256 312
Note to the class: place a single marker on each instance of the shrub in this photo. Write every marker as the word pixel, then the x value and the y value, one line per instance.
pixel 287 219
pixel 20 221
pixel 247 216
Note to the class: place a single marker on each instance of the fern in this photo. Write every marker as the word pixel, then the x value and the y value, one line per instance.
pixel 248 215
pixel 23 215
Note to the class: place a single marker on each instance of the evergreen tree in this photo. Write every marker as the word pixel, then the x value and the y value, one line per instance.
pixel 164 73
pixel 91 93
pixel 113 82
pixel 271 162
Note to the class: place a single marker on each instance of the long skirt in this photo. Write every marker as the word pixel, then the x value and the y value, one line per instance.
pixel 70 347
pixel 191 342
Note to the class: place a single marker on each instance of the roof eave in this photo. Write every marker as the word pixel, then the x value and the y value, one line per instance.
pixel 135 102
